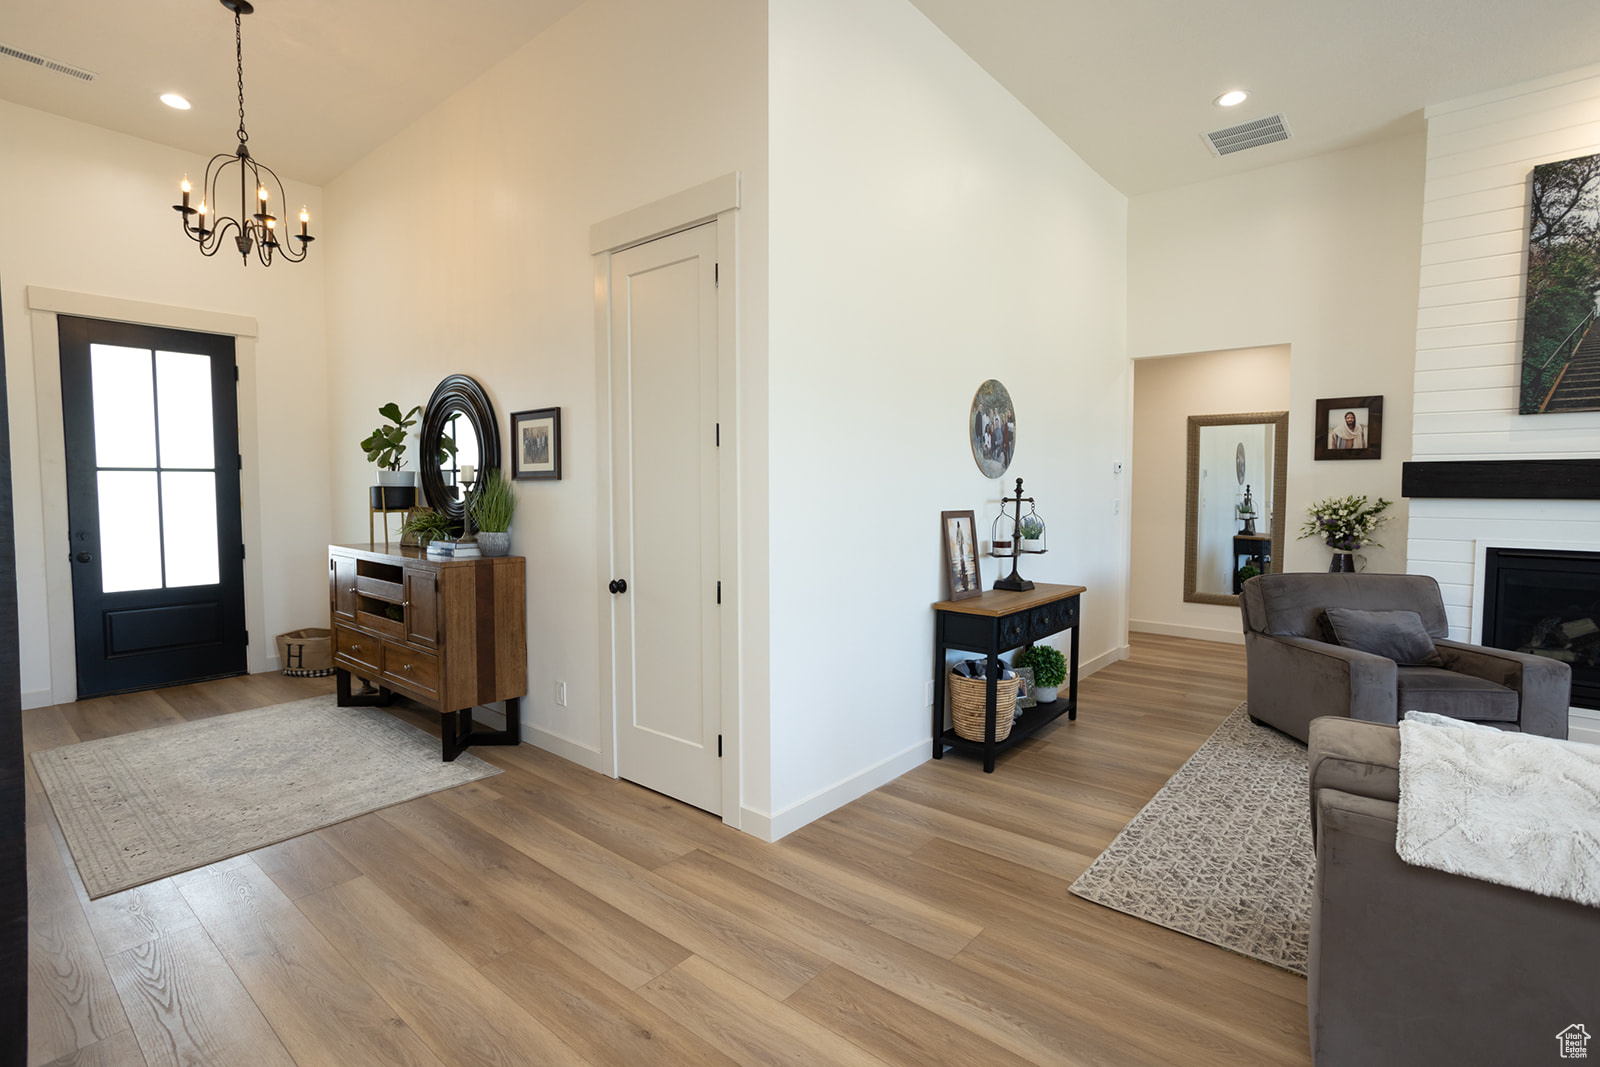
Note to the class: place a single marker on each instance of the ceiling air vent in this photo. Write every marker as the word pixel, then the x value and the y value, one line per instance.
pixel 46 63
pixel 1252 134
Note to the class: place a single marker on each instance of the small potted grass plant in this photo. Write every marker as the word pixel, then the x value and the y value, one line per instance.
pixel 427 525
pixel 492 507
pixel 1049 670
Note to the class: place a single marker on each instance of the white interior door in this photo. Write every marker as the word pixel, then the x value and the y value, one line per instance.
pixel 665 508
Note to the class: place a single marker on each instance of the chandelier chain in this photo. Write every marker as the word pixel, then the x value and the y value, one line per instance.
pixel 238 53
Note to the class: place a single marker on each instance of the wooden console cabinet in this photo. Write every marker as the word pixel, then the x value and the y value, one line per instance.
pixel 449 634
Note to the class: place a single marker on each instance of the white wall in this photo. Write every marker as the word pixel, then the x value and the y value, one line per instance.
pixel 1320 254
pixel 1166 392
pixel 927 233
pixel 86 210
pixel 462 246
pixel 1469 340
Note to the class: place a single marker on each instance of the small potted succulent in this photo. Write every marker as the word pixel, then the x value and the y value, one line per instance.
pixel 1049 670
pixel 1032 530
pixel 492 507
pixel 427 525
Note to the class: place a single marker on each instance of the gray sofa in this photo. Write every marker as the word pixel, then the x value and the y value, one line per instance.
pixel 1296 676
pixel 1414 966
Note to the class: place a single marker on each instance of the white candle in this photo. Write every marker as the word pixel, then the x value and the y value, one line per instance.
pixel 467 471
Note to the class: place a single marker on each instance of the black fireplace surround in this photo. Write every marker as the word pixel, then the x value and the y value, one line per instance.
pixel 1547 602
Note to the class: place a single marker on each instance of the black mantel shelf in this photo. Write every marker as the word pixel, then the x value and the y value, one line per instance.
pixel 1503 479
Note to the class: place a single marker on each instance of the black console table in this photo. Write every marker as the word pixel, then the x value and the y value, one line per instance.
pixel 996 622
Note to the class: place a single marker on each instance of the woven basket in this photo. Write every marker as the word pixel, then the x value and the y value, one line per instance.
pixel 306 653
pixel 968 699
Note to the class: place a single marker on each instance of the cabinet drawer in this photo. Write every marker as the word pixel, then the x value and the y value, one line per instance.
pixel 357 651
pixel 411 669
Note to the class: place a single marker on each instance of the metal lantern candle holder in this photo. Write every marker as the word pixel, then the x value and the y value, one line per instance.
pixel 1015 534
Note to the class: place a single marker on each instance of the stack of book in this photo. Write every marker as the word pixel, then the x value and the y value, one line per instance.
pixel 453 550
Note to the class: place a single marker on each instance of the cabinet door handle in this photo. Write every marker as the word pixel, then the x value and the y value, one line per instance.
pixel 350 589
pixel 619 585
pixel 405 603
pixel 355 648
pixel 406 667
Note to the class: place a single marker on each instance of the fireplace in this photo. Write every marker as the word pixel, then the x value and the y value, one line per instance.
pixel 1547 602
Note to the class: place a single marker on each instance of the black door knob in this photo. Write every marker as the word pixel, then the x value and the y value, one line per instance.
pixel 84 557
pixel 619 585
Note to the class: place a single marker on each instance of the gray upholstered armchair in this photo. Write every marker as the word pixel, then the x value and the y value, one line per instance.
pixel 1295 675
pixel 1414 966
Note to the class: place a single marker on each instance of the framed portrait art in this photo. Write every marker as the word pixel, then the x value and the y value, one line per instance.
pixel 536 443
pixel 1349 427
pixel 962 578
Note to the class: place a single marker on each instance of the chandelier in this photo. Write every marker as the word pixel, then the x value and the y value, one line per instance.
pixel 256 228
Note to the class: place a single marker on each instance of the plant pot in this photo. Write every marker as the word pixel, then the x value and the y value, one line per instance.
pixel 491 543
pixel 1030 544
pixel 1045 694
pixel 392 497
pixel 1342 563
pixel 388 477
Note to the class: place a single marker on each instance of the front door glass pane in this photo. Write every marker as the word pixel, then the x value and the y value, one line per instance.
pixel 183 392
pixel 124 406
pixel 189 526
pixel 130 530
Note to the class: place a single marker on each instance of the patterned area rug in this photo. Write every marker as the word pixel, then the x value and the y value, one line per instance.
pixel 1223 851
pixel 146 805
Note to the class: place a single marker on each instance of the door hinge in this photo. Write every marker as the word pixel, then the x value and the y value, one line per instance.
pixel 719 746
pixel 236 372
pixel 716 275
pixel 240 456
pixel 719 592
pixel 247 637
pixel 719 435
pixel 241 551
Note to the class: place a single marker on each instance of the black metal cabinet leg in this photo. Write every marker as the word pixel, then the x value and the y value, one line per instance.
pixel 938 686
pixel 379 698
pixel 1072 679
pixel 990 696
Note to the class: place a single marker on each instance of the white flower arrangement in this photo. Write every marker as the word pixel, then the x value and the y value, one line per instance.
pixel 1346 523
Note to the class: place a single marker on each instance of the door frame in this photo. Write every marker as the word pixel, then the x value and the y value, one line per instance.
pixel 44 306
pixel 714 201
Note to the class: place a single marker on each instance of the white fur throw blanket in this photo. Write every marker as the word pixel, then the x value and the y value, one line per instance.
pixel 1515 809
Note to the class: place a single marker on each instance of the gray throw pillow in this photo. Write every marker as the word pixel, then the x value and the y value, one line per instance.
pixel 1396 635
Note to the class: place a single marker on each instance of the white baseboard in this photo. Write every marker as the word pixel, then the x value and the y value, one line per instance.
pixel 1101 662
pixel 39 698
pixel 1198 633
pixel 771 827
pixel 566 748
pixel 1583 724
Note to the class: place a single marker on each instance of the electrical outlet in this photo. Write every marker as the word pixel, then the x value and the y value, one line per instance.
pixel 561 693
pixel 927 700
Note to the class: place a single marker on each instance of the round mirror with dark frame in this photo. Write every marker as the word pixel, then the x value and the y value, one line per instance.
pixel 459 430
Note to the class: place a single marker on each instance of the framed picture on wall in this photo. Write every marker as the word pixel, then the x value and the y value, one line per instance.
pixel 1349 427
pixel 536 443
pixel 962 578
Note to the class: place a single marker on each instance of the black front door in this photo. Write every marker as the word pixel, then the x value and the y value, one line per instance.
pixel 152 445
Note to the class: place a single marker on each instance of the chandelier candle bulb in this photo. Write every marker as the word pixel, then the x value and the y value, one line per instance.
pixel 304 219
pixel 185 188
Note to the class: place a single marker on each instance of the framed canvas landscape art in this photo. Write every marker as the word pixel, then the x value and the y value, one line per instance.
pixel 536 443
pixel 1560 344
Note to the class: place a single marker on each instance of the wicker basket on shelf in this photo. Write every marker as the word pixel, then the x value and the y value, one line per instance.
pixel 968 699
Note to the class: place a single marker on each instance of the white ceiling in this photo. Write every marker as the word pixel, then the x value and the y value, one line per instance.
pixel 1128 84
pixel 325 81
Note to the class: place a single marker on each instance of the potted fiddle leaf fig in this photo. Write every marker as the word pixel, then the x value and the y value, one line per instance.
pixel 492 507
pixel 1049 670
pixel 386 447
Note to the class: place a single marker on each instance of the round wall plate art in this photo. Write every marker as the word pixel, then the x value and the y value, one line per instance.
pixel 993 425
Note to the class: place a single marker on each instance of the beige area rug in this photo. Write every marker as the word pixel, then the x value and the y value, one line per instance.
pixel 1223 852
pixel 146 805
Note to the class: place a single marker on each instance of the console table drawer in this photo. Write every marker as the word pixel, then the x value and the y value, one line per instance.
pixel 411 669
pixel 359 651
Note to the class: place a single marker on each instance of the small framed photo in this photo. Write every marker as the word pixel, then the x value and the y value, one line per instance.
pixel 1350 427
pixel 536 443
pixel 962 577
pixel 1025 688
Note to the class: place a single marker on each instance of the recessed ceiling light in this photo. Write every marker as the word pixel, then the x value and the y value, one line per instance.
pixel 1232 98
pixel 174 100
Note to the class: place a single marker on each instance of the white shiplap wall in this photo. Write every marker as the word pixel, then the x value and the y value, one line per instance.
pixel 1481 151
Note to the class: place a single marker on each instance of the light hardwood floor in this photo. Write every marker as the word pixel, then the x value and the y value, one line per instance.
pixel 549 915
